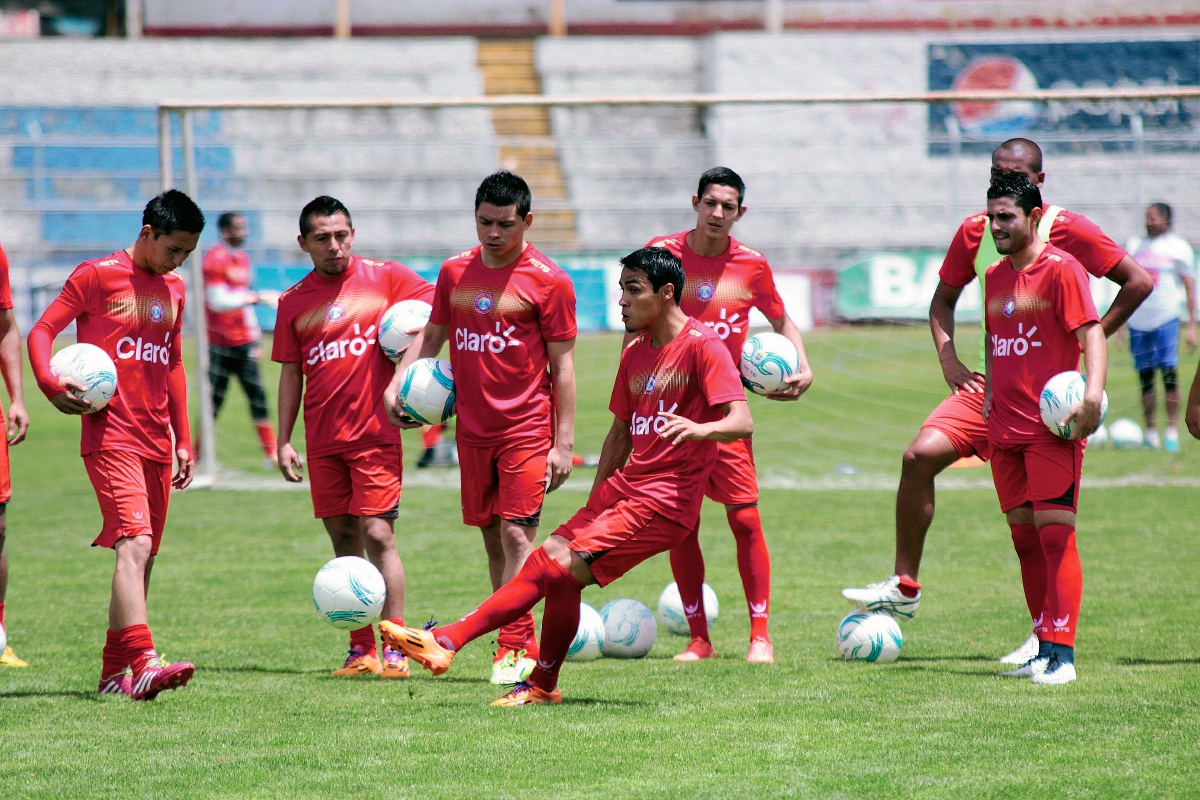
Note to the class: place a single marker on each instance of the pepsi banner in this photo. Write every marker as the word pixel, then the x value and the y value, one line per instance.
pixel 1062 126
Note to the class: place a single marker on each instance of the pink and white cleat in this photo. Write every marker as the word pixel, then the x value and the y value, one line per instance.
pixel 761 652
pixel 158 676
pixel 121 683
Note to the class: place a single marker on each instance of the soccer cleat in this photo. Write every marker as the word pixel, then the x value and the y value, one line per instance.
pixel 360 662
pixel 1171 441
pixel 884 596
pixel 158 676
pixel 1150 439
pixel 9 659
pixel 1056 673
pixel 761 652
pixel 1022 655
pixel 697 650
pixel 121 683
pixel 420 646
pixel 1030 669
pixel 524 694
pixel 395 665
pixel 511 667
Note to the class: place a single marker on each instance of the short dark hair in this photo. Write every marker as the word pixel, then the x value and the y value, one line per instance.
pixel 1019 188
pixel 1164 209
pixel 1018 144
pixel 173 211
pixel 225 221
pixel 660 266
pixel 323 206
pixel 504 188
pixel 722 176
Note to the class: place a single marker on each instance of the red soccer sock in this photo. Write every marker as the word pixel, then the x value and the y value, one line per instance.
pixel 687 567
pixel 1033 570
pixel 137 646
pixel 266 438
pixel 507 604
pixel 754 564
pixel 363 639
pixel 1064 583
pixel 908 587
pixel 520 634
pixel 431 435
pixel 113 656
pixel 560 621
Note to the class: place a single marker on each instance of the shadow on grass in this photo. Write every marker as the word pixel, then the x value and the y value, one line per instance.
pixel 1155 662
pixel 264 670
pixel 598 701
pixel 84 695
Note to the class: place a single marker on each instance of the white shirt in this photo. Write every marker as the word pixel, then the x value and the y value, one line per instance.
pixel 1168 259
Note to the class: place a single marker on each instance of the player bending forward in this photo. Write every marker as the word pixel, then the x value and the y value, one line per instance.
pixel 724 280
pixel 676 396
pixel 325 335
pixel 956 428
pixel 130 305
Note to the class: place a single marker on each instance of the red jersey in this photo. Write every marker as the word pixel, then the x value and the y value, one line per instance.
pixel 721 291
pixel 1031 318
pixel 228 312
pixel 328 326
pixel 135 316
pixel 688 376
pixel 500 321
pixel 6 300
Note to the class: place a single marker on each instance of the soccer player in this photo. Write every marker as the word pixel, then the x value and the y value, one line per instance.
pixel 1154 327
pixel 956 429
pixel 14 432
pixel 325 340
pixel 676 396
pixel 723 280
pixel 511 312
pixel 130 305
pixel 1039 316
pixel 233 332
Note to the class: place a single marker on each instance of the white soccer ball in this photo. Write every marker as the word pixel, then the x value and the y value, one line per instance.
pixel 1125 434
pixel 91 368
pixel 3 638
pixel 427 391
pixel 629 629
pixel 1099 438
pixel 349 592
pixel 672 615
pixel 405 316
pixel 768 359
pixel 869 636
pixel 590 636
pixel 1061 394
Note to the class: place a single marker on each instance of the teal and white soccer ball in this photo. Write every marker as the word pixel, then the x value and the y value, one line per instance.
pixel 1061 394
pixel 768 359
pixel 672 615
pixel 1098 439
pixel 1125 434
pixel 349 592
pixel 629 629
pixel 91 368
pixel 427 391
pixel 590 636
pixel 869 636
pixel 3 638
pixel 396 323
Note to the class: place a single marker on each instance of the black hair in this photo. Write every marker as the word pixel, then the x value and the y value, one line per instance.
pixel 1164 210
pixel 722 176
pixel 504 188
pixel 225 221
pixel 660 266
pixel 323 206
pixel 1019 188
pixel 173 211
pixel 1018 144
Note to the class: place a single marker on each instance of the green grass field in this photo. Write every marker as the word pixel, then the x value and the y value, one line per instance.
pixel 263 717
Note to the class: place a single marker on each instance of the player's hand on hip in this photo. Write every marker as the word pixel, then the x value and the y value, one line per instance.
pixel 289 464
pixel 680 429
pixel 961 379
pixel 68 402
pixel 187 468
pixel 1086 416
pixel 796 385
pixel 18 423
pixel 558 467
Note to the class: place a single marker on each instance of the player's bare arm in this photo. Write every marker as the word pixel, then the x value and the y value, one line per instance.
pixel 800 382
pixel 736 423
pixel 10 366
pixel 941 322
pixel 987 393
pixel 562 387
pixel 1086 414
pixel 291 388
pixel 618 444
pixel 68 402
pixel 1189 293
pixel 1192 415
pixel 1136 285
pixel 428 344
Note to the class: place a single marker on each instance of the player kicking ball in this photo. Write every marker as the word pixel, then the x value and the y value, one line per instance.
pixel 325 338
pixel 1039 316
pixel 130 305
pixel 723 280
pixel 676 396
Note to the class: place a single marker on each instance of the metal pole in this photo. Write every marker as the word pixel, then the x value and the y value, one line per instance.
pixel 955 133
pixel 558 17
pixel 341 20
pixel 1139 148
pixel 165 179
pixel 206 466
pixel 133 19
pixel 773 16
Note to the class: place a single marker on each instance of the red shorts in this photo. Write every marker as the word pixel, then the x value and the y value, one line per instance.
pixel 960 417
pixel 733 481
pixel 363 483
pixel 134 493
pixel 506 480
pixel 5 472
pixel 614 533
pixel 1045 474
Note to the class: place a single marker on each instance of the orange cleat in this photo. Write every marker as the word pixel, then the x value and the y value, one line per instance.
pixel 697 650
pixel 761 652
pixel 417 645
pixel 395 665
pixel 524 694
pixel 360 662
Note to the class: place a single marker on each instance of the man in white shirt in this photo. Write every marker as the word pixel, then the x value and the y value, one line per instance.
pixel 1154 326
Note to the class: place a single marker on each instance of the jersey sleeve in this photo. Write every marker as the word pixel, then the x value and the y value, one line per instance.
pixel 958 267
pixel 1181 252
pixel 286 346
pixel 440 315
pixel 766 296
pixel 214 266
pixel 719 379
pixel 408 285
pixel 6 300
pixel 1089 245
pixel 1075 305
pixel 74 300
pixel 557 313
pixel 620 403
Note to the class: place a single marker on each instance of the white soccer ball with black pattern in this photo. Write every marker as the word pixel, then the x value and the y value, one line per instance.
pixel 397 321
pixel 589 637
pixel 349 592
pixel 91 368
pixel 1060 394
pixel 869 636
pixel 427 391
pixel 629 629
pixel 768 359
pixel 671 612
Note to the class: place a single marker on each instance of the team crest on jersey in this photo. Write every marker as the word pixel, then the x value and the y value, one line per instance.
pixel 650 384
pixel 156 311
pixel 705 291
pixel 1010 306
pixel 483 302
pixel 335 312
